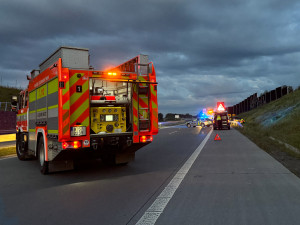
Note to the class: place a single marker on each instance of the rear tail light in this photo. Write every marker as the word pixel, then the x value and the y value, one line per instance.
pixel 71 144
pixel 144 139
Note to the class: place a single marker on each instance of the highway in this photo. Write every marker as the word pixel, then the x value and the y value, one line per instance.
pixel 178 179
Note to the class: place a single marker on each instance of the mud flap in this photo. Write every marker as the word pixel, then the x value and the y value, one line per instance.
pixel 61 165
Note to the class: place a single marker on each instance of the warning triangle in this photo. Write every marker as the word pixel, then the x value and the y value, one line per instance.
pixel 217 138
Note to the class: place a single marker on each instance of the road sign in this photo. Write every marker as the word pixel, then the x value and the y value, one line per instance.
pixel 220 106
pixel 217 138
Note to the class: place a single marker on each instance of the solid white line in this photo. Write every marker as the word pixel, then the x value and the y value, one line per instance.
pixel 155 210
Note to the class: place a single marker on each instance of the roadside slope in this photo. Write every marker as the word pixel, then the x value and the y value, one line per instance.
pixel 279 120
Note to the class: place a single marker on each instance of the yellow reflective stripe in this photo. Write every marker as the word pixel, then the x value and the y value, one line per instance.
pixel 53 86
pixel 32 96
pixel 33 111
pixel 135 103
pixel 42 109
pixel 154 106
pixel 85 122
pixel 66 105
pixel 53 131
pixel 22 114
pixel 74 78
pixel 31 130
pixel 79 111
pixel 142 78
pixel 42 91
pixel 53 107
pixel 152 90
pixel 64 91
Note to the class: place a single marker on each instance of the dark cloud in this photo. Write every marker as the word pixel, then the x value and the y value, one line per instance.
pixel 203 51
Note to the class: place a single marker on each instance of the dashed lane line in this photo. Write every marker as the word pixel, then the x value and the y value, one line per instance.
pixel 156 209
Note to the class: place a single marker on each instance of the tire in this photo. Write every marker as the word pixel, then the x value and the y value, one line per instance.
pixel 188 125
pixel 20 150
pixel 229 128
pixel 44 165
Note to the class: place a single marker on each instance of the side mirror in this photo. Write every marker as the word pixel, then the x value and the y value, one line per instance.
pixel 14 103
pixel 28 78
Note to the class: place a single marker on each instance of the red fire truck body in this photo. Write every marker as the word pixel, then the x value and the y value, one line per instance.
pixel 69 109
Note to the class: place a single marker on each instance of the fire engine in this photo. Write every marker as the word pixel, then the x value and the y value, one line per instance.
pixel 70 109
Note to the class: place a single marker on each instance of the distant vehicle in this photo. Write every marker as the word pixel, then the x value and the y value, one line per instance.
pixel 192 123
pixel 221 121
pixel 238 119
pixel 206 122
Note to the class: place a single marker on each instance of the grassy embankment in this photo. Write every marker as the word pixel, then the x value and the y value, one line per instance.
pixel 7 151
pixel 279 119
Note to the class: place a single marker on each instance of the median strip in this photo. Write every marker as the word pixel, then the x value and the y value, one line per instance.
pixel 5 152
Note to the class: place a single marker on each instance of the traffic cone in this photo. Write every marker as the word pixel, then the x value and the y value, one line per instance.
pixel 217 138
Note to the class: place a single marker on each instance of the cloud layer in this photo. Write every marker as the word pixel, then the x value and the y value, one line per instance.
pixel 203 51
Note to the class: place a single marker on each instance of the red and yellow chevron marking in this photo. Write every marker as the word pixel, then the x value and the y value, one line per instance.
pixel 135 113
pixel 79 100
pixel 154 109
pixel 143 79
pixel 143 105
pixel 64 103
pixel 64 109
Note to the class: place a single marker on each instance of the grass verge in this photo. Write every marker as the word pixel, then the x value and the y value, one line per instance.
pixel 7 151
pixel 279 119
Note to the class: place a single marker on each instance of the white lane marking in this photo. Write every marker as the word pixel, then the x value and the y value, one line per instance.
pixel 174 132
pixel 171 126
pixel 155 210
pixel 8 157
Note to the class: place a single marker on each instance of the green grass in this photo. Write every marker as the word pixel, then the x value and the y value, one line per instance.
pixel 285 129
pixel 7 92
pixel 7 151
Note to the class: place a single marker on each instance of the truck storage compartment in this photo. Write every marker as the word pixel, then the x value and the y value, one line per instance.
pixel 110 107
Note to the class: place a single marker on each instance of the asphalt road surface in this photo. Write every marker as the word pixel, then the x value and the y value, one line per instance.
pixel 223 182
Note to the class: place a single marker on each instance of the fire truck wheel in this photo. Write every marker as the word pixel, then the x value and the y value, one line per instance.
pixel 20 149
pixel 41 157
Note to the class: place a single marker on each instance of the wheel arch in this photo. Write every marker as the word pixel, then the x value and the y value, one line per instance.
pixel 40 133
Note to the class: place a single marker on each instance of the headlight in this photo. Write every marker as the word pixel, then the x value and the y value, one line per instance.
pixel 78 131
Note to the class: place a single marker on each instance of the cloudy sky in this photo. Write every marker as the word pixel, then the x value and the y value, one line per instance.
pixel 203 51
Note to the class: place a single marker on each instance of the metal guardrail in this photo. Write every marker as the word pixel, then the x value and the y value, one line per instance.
pixel 5 106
